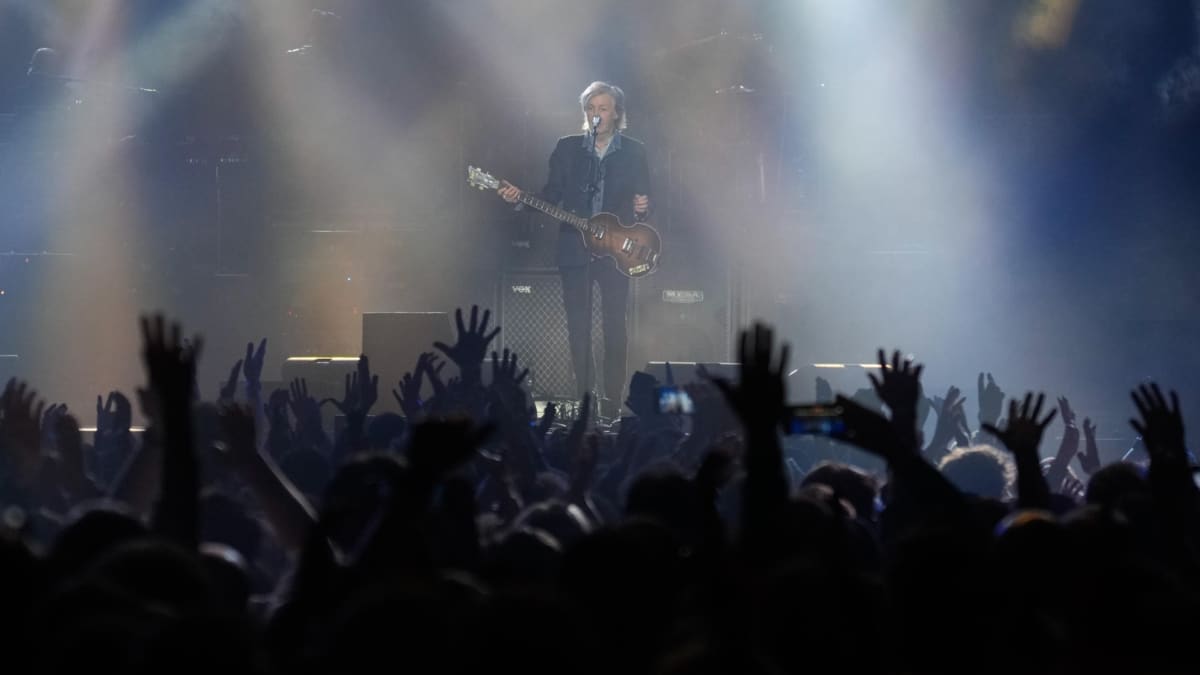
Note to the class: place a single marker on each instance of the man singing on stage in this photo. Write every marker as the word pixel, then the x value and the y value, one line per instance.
pixel 597 171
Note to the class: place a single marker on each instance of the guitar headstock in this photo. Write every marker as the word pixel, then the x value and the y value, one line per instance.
pixel 481 179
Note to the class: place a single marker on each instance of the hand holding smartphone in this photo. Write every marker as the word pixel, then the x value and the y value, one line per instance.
pixel 674 401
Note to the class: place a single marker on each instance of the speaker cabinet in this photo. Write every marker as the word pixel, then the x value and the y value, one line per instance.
pixel 531 243
pixel 683 310
pixel 535 326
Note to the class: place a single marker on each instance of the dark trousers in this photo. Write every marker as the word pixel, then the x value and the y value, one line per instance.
pixel 614 299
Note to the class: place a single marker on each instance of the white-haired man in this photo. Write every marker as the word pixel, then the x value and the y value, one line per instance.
pixel 600 170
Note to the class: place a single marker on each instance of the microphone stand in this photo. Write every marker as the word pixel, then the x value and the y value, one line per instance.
pixel 591 188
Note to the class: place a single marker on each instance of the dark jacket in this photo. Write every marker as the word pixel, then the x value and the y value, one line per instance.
pixel 571 165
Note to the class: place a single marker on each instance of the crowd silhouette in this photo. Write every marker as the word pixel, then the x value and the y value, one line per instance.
pixel 471 533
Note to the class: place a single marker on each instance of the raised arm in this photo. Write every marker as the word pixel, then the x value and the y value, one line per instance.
pixel 1022 435
pixel 759 400
pixel 171 370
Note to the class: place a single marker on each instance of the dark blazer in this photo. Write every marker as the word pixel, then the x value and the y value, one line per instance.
pixel 625 174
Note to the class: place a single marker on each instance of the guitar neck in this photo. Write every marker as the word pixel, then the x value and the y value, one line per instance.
pixel 553 211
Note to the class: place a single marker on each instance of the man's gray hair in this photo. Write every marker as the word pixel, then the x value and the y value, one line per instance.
pixel 595 89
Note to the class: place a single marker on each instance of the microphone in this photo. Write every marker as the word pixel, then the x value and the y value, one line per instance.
pixel 595 122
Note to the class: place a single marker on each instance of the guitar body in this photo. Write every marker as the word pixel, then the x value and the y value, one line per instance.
pixel 635 249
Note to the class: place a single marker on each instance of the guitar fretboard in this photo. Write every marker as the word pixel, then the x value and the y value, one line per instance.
pixel 553 210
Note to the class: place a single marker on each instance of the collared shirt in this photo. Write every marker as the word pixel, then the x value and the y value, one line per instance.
pixel 613 145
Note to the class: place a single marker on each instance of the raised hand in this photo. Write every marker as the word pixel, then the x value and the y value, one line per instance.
pixel 991 400
pixel 171 370
pixel 1170 476
pixel 433 371
pixel 507 381
pixel 362 390
pixel 759 398
pixel 1068 415
pixel 899 384
pixel 1073 488
pixel 919 492
pixel 252 365
pixel 20 413
pixel 408 395
pixel 20 437
pixel 49 428
pixel 307 412
pixel 229 388
pixel 115 414
pixel 472 345
pixel 951 422
pixel 1089 457
pixel 1160 426
pixel 408 392
pixel 170 364
pixel 1060 465
pixel 1023 432
pixel 504 370
pixel 304 407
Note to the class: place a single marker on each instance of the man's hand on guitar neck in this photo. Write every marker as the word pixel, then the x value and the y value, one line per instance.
pixel 509 192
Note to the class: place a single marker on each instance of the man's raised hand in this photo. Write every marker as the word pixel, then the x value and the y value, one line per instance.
pixel 504 369
pixel 1089 457
pixel 898 384
pixel 170 362
pixel 991 400
pixel 760 396
pixel 252 365
pixel 114 415
pixel 408 392
pixel 1161 425
pixel 229 388
pixel 361 392
pixel 472 344
pixel 1022 434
